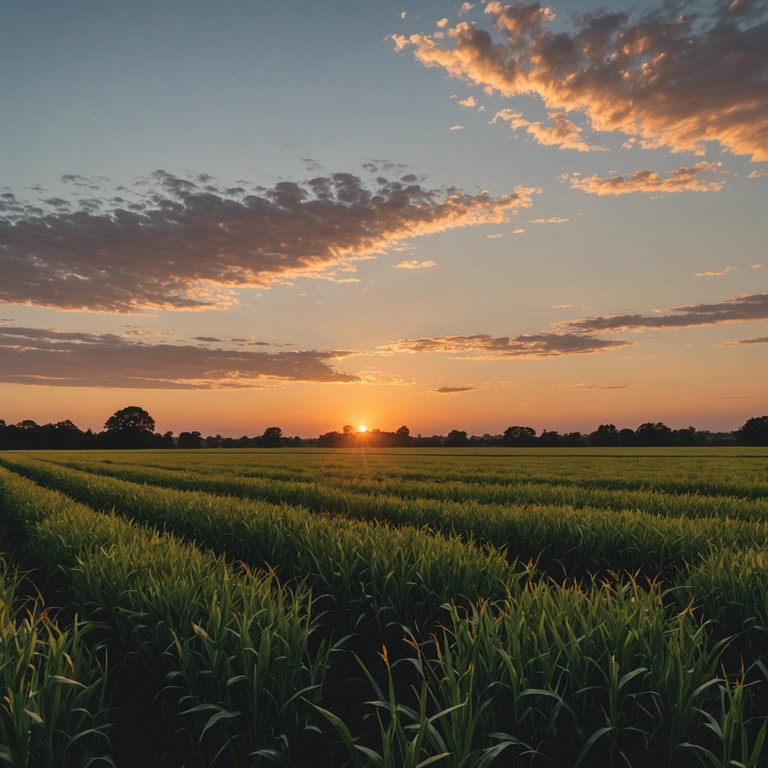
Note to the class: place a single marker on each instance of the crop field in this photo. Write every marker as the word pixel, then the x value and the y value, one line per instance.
pixel 384 608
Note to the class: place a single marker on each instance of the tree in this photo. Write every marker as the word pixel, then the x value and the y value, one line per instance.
pixel 130 427
pixel 653 434
pixel 272 438
pixel 754 431
pixel 519 436
pixel 605 435
pixel 549 438
pixel 402 436
pixel 190 440
pixel 456 438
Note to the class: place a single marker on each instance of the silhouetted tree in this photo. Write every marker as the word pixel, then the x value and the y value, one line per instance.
pixel 657 434
pixel 606 435
pixel 627 437
pixel 330 439
pixel 272 438
pixel 63 435
pixel 571 440
pixel 402 436
pixel 519 436
pixel 456 439
pixel 687 436
pixel 754 431
pixel 549 439
pixel 190 440
pixel 130 427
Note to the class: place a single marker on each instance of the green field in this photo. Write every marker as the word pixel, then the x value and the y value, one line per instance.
pixel 402 608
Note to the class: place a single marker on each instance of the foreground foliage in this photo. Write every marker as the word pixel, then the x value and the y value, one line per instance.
pixel 408 610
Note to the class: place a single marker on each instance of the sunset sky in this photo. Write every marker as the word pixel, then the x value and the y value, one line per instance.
pixel 241 214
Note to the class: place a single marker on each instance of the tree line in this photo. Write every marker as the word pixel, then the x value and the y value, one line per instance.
pixel 133 427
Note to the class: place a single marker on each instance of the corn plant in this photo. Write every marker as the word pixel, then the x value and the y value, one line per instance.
pixel 53 709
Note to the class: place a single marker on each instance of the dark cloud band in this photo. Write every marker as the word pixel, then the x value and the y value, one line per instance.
pixel 185 244
pixel 60 358
pixel 742 309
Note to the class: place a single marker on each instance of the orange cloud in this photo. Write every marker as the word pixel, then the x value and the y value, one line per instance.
pixel 561 132
pixel 679 180
pixel 716 272
pixel 483 346
pixel 414 264
pixel 189 244
pixel 666 78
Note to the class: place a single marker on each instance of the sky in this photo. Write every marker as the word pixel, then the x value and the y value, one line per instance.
pixel 241 214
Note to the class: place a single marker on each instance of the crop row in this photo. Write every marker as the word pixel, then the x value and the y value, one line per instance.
pixel 562 540
pixel 708 474
pixel 346 495
pixel 226 652
pixel 52 710
pixel 373 573
pixel 543 674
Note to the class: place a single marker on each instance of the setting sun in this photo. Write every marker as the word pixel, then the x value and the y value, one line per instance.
pixel 362 428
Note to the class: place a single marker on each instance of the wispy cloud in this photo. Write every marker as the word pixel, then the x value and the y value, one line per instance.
pixel 749 341
pixel 716 272
pixel 70 359
pixel 559 132
pixel 551 220
pixel 669 77
pixel 190 243
pixel 483 346
pixel 454 390
pixel 685 179
pixel 742 309
pixel 414 264
pixel 592 387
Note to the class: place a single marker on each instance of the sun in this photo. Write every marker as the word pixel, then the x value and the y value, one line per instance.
pixel 362 428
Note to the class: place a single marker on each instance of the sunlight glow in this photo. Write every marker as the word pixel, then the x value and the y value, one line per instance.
pixel 362 428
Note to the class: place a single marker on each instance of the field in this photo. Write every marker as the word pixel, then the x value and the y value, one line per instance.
pixel 384 609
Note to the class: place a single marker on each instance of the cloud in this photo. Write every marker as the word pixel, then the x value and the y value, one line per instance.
pixel 758 174
pixel 70 359
pixel 414 264
pixel 190 244
pixel 551 220
pixel 561 132
pixel 679 180
pixel 716 272
pixel 743 309
pixel 456 128
pixel 483 346
pixel 469 103
pixel 495 236
pixel 667 78
pixel 454 390
pixel 752 340
pixel 593 387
